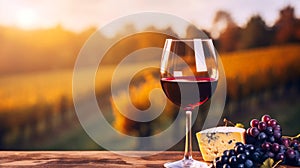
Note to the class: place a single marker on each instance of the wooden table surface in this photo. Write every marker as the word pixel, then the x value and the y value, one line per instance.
pixel 86 159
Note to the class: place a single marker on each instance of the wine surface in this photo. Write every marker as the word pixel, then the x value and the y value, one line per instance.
pixel 188 91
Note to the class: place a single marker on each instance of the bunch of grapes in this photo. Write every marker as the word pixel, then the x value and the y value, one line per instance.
pixel 266 137
pixel 263 140
pixel 241 156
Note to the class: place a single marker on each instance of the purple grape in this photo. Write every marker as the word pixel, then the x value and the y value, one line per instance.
pixel 290 154
pixel 262 126
pixel 285 142
pixel 277 127
pixel 250 147
pixel 297 153
pixel 256 156
pixel 294 144
pixel 241 158
pixel 217 164
pixel 282 149
pixel 258 149
pixel 254 122
pixel 226 152
pixel 241 165
pixel 233 160
pixel 239 144
pixel 231 152
pixel 264 156
pixel 297 161
pixel 275 147
pixel 277 134
pixel 269 131
pixel 249 163
pixel 262 136
pixel 226 166
pixel 254 132
pixel 272 123
pixel 265 118
pixel 224 159
pixel 280 156
pixel 266 146
pixel 270 154
pixel 271 139
pixel 247 153
pixel 239 149
pixel 248 131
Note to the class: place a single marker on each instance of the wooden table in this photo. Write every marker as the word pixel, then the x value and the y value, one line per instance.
pixel 86 159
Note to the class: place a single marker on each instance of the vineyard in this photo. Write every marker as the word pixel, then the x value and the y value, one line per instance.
pixel 35 106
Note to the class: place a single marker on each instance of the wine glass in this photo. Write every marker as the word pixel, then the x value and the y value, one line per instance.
pixel 189 76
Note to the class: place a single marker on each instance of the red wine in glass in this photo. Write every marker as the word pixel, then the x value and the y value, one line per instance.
pixel 175 87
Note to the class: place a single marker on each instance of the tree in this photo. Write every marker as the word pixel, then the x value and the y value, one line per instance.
pixel 255 34
pixel 229 31
pixel 287 27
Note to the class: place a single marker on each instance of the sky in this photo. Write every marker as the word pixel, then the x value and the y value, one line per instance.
pixel 77 15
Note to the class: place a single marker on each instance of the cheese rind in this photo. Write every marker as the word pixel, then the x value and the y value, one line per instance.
pixel 213 141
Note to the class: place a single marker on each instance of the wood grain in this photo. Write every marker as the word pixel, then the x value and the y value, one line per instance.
pixel 76 159
pixel 85 159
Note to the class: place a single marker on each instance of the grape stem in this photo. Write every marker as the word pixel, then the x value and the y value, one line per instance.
pixel 228 122
pixel 276 164
pixel 292 138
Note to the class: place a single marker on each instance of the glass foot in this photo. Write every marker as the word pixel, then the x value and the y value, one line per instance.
pixel 187 163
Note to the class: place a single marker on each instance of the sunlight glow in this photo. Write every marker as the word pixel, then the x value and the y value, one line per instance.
pixel 26 18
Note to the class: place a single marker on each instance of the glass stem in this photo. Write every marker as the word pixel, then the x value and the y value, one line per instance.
pixel 188 136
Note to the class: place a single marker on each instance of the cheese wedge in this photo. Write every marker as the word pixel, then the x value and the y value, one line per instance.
pixel 213 141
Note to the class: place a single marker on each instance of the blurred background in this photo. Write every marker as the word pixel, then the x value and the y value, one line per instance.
pixel 258 42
